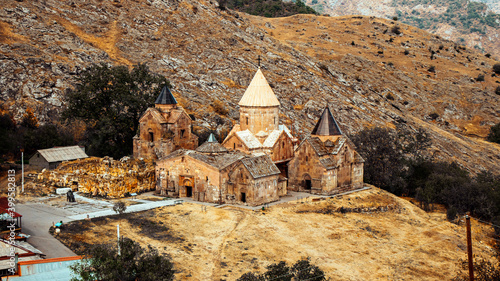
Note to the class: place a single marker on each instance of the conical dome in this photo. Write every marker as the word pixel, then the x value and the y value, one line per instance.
pixel 165 97
pixel 326 126
pixel 259 93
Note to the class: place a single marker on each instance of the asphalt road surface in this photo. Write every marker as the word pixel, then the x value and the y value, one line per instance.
pixel 36 221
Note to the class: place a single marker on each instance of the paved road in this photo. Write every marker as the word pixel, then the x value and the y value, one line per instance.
pixel 38 218
pixel 36 221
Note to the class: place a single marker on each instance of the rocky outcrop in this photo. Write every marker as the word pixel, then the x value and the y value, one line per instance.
pixel 100 177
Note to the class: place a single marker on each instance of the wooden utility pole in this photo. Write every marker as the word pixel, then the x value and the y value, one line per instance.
pixel 469 248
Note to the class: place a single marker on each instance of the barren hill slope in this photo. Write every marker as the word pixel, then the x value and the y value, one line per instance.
pixel 473 23
pixel 376 236
pixel 357 65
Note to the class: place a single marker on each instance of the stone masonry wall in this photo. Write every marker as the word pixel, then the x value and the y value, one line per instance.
pixel 101 176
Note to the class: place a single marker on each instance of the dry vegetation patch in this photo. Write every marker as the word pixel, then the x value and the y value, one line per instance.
pixel 224 243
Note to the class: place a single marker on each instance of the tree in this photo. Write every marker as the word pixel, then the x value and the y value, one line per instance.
pixel 484 270
pixel 301 270
pixel 7 127
pixel 496 68
pixel 29 119
pixel 111 100
pixel 119 207
pixel 102 262
pixel 383 157
pixel 304 270
pixel 494 135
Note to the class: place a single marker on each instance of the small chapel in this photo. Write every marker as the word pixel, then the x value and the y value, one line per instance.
pixel 258 162
pixel 326 162
pixel 164 129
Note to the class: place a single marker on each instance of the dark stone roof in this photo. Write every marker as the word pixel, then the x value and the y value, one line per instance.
pixel 326 126
pixel 165 97
pixel 211 147
pixel 329 143
pixel 318 146
pixel 260 166
pixel 328 163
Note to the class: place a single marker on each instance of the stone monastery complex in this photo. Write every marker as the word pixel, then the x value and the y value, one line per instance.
pixel 259 161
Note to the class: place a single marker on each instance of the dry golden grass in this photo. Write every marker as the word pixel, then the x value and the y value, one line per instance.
pixel 106 42
pixel 223 243
pixel 9 37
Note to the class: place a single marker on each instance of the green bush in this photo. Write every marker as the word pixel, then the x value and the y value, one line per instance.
pixel 119 207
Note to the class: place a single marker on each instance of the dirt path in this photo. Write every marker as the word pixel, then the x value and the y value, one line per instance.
pixel 216 272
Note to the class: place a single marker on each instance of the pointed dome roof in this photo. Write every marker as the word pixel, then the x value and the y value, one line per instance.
pixel 326 126
pixel 211 146
pixel 259 93
pixel 165 97
pixel 211 138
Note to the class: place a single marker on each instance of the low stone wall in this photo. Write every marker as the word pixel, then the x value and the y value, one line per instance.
pixel 101 176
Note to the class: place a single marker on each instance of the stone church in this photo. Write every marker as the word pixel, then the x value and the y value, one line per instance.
pixel 259 130
pixel 164 129
pixel 326 161
pixel 213 174
pixel 256 163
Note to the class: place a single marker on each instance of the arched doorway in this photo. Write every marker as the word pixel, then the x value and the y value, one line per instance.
pixel 307 182
pixel 188 184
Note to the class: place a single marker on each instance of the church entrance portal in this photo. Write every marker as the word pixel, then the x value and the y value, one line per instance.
pixel 243 197
pixel 307 182
pixel 188 184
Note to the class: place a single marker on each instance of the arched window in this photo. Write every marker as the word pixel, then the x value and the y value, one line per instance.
pixel 151 136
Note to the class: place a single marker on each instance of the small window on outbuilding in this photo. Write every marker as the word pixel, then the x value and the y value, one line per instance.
pixel 247 120
pixel 182 133
pixel 151 136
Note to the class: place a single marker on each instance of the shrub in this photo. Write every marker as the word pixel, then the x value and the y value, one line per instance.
pixel 497 91
pixel 103 262
pixel 432 69
pixel 480 78
pixel 496 68
pixel 396 30
pixel 434 116
pixel 389 96
pixel 451 213
pixel 119 207
pixel 488 55
pixel 494 135
pixel 406 52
